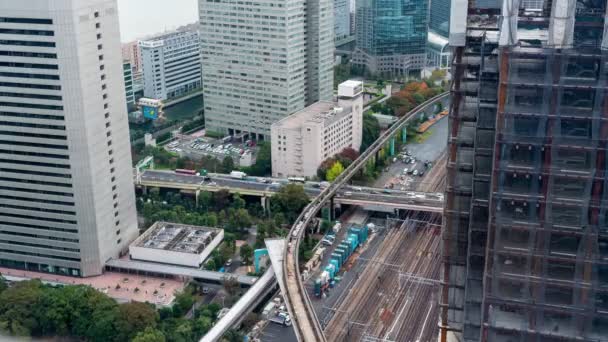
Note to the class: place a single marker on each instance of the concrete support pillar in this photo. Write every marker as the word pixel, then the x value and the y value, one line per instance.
pixel 392 147
pixel 144 190
pixel 265 201
pixel 332 211
pixel 196 194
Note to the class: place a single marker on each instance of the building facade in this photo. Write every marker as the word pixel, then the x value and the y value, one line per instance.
pixel 67 203
pixel 341 19
pixel 131 53
pixel 391 36
pixel 277 60
pixel 439 17
pixel 128 77
pixel 303 140
pixel 525 224
pixel 171 64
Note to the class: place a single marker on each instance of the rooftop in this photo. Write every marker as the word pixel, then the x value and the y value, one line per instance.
pixel 318 112
pixel 176 237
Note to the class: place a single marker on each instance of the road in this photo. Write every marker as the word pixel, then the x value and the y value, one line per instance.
pixel 355 195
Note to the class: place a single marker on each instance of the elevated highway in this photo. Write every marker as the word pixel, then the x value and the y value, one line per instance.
pixel 382 199
pixel 305 321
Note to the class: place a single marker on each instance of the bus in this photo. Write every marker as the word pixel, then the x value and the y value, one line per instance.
pixel 185 172
pixel 297 180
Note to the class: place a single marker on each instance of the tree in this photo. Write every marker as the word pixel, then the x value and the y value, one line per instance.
pixel 325 226
pixel 149 335
pixel 246 253
pixel 349 153
pixel 371 131
pixel 201 326
pixel 239 219
pixel 238 202
pixel 263 161
pixel 233 335
pixel 231 285
pixel 134 317
pixel 228 164
pixel 3 284
pixel 334 172
pixel 221 199
pixel 183 302
pixel 289 200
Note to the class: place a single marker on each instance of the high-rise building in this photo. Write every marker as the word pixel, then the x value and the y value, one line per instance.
pixel 131 53
pixel 128 77
pixel 525 226
pixel 263 60
pixel 439 17
pixel 66 185
pixel 391 36
pixel 303 140
pixel 341 19
pixel 171 63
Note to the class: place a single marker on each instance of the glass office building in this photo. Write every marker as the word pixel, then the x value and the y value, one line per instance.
pixel 391 35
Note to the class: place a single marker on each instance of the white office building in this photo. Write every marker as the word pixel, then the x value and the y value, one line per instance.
pixel 66 186
pixel 263 60
pixel 303 140
pixel 171 64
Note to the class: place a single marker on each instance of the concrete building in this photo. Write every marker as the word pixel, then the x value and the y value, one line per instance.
pixel 341 19
pixel 525 233
pixel 128 77
pixel 276 61
pixel 131 53
pixel 176 244
pixel 67 203
pixel 303 140
pixel 171 63
pixel 391 36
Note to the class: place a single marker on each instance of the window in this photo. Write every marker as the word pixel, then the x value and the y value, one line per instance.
pixel 96 14
pixel 106 115
pixel 107 124
pixel 102 67
pixel 117 222
pixel 110 143
pixel 103 77
pixel 97 25
pixel 105 106
pixel 118 232
pixel 99 47
pixel 118 242
pixel 99 36
pixel 108 133
pixel 103 87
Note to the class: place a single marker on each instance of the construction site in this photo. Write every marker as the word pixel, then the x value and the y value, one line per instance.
pixel 395 293
pixel 525 236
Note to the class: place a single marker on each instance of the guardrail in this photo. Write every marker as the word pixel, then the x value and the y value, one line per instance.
pixel 291 257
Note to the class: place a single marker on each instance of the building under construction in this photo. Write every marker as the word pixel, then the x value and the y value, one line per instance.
pixel 525 238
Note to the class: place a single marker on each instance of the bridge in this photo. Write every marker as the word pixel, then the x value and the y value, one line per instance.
pixel 370 198
pixel 305 321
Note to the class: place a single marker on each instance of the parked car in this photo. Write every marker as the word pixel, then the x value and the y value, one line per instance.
pixel 415 173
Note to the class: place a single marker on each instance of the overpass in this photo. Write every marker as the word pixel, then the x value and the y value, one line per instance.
pixel 382 199
pixel 305 321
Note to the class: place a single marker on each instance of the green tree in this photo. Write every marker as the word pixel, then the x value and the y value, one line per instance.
pixel 263 161
pixel 334 171
pixel 201 326
pixel 289 200
pixel 17 305
pixel 233 335
pixel 135 317
pixel 239 219
pixel 227 164
pixel 183 302
pixel 325 226
pixel 371 131
pixel 238 202
pixel 246 253
pixel 149 335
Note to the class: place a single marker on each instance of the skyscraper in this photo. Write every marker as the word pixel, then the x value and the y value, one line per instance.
pixel 341 19
pixel 66 191
pixel 439 18
pixel 391 35
pixel 264 60
pixel 525 226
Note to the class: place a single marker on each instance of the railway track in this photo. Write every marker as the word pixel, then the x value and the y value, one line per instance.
pixel 395 299
pixel 304 317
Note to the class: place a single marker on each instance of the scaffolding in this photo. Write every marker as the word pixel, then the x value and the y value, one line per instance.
pixel 525 238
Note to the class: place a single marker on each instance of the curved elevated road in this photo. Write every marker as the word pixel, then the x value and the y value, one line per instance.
pixel 305 321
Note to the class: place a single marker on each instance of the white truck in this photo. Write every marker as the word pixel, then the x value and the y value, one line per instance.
pixel 281 319
pixel 238 175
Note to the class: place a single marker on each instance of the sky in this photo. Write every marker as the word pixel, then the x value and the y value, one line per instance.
pixel 139 18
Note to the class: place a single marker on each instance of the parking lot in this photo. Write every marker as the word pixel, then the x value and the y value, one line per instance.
pixel 198 147
pixel 400 175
